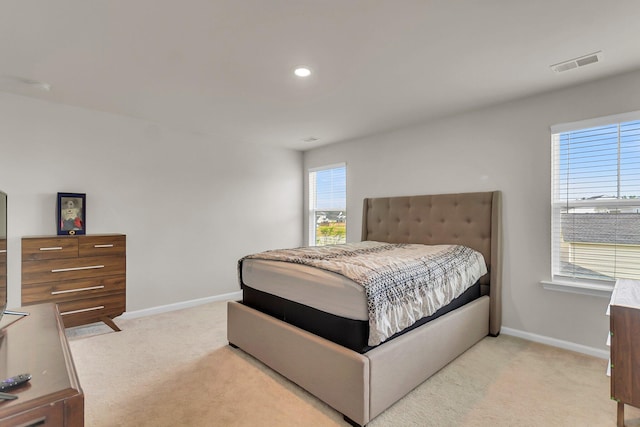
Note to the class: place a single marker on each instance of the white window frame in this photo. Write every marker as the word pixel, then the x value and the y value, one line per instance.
pixel 559 281
pixel 312 201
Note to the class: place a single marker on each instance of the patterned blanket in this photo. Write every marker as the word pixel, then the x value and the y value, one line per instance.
pixel 403 282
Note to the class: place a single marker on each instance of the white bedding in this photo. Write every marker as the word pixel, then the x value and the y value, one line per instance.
pixel 320 289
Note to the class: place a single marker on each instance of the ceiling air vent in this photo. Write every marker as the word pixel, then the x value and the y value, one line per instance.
pixel 591 58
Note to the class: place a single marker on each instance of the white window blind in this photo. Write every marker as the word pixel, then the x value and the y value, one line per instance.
pixel 596 199
pixel 327 205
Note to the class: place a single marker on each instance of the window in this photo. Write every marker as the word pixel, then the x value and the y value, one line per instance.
pixel 327 205
pixel 596 199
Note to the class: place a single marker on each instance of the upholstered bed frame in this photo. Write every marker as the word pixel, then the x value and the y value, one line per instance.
pixel 361 386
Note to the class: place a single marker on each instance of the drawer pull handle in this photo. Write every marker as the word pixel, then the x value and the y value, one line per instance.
pixel 35 423
pixel 90 267
pixel 110 245
pixel 92 288
pixel 3 251
pixel 64 313
pixel 53 248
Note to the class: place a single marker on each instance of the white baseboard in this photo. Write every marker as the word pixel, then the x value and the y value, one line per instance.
pixel 567 345
pixel 591 351
pixel 180 305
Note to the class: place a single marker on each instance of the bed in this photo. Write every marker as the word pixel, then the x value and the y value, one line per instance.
pixel 361 381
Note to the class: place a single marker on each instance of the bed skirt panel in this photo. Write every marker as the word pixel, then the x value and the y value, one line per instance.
pixel 334 374
pixel 404 363
pixel 360 386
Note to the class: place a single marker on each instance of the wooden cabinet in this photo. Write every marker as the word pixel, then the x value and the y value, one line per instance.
pixel 3 269
pixel 84 275
pixel 625 357
pixel 37 344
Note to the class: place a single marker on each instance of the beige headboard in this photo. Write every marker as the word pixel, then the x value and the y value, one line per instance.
pixel 469 219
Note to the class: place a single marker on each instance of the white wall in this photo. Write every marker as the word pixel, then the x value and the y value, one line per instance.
pixel 504 147
pixel 190 206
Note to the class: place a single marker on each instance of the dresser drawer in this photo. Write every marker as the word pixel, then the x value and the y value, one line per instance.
pixel 102 245
pixel 70 269
pixel 3 276
pixel 72 289
pixel 88 310
pixel 49 248
pixel 50 415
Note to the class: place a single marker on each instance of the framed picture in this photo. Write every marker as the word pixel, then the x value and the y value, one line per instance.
pixel 72 208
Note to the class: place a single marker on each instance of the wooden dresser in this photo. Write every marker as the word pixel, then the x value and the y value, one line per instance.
pixel 3 268
pixel 624 312
pixel 85 275
pixel 37 344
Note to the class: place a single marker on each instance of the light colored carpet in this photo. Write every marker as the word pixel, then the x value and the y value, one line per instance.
pixel 176 369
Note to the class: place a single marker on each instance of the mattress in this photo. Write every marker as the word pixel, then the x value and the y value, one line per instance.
pixel 320 289
pixel 319 301
pixel 349 333
pixel 402 282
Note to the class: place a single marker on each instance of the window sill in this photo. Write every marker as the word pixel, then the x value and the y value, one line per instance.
pixel 598 290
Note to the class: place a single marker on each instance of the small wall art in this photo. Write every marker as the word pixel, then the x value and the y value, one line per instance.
pixel 72 208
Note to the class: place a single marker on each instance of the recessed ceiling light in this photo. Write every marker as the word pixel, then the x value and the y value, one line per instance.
pixel 302 72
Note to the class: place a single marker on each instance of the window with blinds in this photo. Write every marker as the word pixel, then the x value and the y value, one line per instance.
pixel 327 205
pixel 596 199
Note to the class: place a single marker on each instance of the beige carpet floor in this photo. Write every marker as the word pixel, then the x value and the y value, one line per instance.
pixel 176 369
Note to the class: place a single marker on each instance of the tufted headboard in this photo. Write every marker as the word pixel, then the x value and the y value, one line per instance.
pixel 469 219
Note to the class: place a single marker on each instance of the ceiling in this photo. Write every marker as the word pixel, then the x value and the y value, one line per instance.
pixel 224 68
